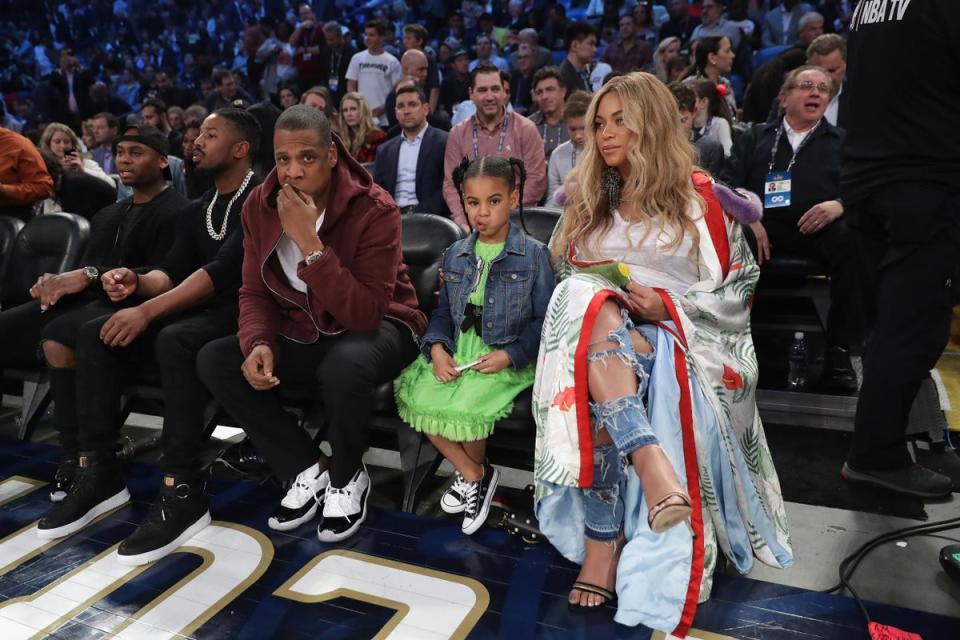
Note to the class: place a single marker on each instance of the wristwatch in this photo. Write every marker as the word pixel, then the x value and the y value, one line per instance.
pixel 92 273
pixel 312 257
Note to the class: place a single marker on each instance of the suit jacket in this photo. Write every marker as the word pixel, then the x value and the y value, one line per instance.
pixel 429 181
pixel 773 25
pixel 98 157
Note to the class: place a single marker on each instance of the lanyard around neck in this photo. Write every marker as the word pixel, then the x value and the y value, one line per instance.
pixel 796 152
pixel 503 135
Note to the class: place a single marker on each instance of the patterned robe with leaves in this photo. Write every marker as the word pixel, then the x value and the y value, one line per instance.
pixel 702 407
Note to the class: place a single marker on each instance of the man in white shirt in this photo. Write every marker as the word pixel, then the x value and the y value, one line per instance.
pixel 374 72
pixel 410 166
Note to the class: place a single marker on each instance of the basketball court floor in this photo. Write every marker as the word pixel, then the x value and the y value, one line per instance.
pixel 415 576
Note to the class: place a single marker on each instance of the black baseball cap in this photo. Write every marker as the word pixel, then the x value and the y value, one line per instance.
pixel 149 137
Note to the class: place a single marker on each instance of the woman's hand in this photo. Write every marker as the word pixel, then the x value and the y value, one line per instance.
pixel 819 216
pixel 645 302
pixel 444 368
pixel 763 242
pixel 72 163
pixel 493 362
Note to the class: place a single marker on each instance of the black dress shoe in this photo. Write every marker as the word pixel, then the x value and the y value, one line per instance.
pixel 838 372
pixel 914 480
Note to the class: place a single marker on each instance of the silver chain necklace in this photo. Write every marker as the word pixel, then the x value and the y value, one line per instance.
pixel 226 214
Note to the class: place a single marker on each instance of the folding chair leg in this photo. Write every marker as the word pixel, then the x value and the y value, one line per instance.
pixel 419 460
pixel 36 399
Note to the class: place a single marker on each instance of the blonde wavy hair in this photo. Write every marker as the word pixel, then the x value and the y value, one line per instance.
pixel 661 162
pixel 57 127
pixel 356 138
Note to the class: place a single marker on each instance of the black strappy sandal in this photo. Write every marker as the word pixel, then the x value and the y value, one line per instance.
pixel 610 598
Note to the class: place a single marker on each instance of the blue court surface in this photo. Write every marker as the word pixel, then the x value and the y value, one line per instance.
pixel 402 576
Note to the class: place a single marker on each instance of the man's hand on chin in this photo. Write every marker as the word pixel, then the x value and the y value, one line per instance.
pixel 298 217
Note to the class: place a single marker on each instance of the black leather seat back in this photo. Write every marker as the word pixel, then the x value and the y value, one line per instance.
pixel 425 236
pixel 49 243
pixel 540 221
pixel 9 230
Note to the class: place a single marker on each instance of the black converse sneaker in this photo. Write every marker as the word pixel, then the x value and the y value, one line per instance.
pixel 179 513
pixel 453 500
pixel 302 501
pixel 62 478
pixel 345 509
pixel 479 495
pixel 98 487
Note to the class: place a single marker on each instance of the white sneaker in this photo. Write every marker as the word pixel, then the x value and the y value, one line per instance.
pixel 479 495
pixel 454 500
pixel 302 501
pixel 345 509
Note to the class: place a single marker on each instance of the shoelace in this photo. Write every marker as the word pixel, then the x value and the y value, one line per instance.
pixel 472 496
pixel 338 499
pixel 302 491
pixel 159 510
pixel 459 484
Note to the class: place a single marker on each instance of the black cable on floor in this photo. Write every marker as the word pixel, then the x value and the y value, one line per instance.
pixel 851 562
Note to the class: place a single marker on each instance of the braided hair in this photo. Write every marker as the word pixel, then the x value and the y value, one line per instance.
pixel 510 170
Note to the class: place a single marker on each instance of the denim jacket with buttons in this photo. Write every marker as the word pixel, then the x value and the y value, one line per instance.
pixel 518 291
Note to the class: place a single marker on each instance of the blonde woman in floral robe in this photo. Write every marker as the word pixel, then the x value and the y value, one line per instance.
pixel 687 424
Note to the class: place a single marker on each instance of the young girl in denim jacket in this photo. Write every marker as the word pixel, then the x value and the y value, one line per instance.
pixel 480 348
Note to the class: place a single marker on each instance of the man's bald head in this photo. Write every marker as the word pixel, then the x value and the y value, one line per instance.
pixel 414 63
pixel 529 36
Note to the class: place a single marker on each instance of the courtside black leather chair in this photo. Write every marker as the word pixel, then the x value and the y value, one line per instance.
pixel 49 243
pixel 540 221
pixel 10 228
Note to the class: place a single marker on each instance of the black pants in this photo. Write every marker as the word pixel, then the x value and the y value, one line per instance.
pixel 22 326
pixel 909 238
pixel 64 329
pixel 348 369
pixel 102 372
pixel 835 248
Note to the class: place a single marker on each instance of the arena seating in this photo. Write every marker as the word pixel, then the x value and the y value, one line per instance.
pixel 9 230
pixel 51 243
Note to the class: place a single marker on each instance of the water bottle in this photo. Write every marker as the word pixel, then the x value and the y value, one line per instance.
pixel 797 356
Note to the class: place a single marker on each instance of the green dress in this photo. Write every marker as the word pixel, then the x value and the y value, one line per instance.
pixel 465 409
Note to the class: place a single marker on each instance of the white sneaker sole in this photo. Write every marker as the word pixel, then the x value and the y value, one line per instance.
pixel 481 518
pixel 289 525
pixel 156 554
pixel 118 500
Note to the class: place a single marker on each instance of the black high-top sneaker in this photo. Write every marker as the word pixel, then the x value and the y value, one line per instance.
pixel 479 495
pixel 98 487
pixel 179 513
pixel 63 478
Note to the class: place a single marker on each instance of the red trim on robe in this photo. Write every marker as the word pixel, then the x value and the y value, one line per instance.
pixel 581 385
pixel 714 219
pixel 691 468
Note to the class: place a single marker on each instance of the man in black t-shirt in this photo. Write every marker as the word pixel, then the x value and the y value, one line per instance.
pixel 901 186
pixel 191 299
pixel 135 232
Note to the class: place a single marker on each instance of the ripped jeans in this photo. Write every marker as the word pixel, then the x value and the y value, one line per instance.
pixel 625 419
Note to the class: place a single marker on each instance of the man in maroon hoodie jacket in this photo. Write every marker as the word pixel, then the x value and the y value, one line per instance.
pixel 325 298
